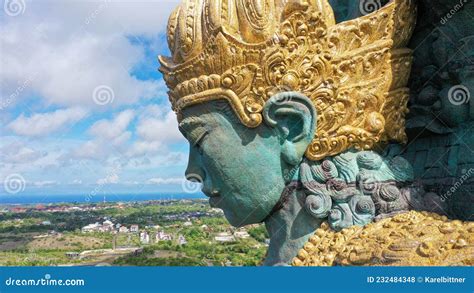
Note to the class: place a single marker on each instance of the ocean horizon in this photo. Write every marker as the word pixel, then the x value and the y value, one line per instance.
pixel 85 198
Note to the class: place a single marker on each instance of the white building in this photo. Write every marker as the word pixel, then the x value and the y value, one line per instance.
pixel 241 234
pixel 107 223
pixel 162 236
pixel 91 228
pixel 107 226
pixel 144 237
pixel 123 229
pixel 182 240
pixel 224 237
pixel 134 228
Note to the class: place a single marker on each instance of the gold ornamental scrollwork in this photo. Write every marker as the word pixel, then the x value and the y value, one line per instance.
pixel 354 72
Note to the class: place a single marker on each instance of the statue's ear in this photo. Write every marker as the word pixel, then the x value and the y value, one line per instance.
pixel 293 116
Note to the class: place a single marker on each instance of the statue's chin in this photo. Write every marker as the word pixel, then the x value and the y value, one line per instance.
pixel 241 221
pixel 230 217
pixel 239 212
pixel 215 202
pixel 233 220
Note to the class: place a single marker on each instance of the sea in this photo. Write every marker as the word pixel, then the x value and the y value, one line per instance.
pixel 81 198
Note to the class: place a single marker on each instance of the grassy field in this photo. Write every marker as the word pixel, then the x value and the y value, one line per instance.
pixel 70 242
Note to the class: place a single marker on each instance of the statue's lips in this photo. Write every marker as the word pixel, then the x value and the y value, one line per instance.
pixel 210 192
pixel 214 197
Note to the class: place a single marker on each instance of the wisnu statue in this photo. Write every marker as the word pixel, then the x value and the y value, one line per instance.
pixel 298 120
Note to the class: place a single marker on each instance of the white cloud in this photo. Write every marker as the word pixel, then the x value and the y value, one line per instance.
pixel 46 123
pixel 122 139
pixel 53 57
pixel 163 129
pixel 89 150
pixel 65 49
pixel 131 183
pixel 109 136
pixel 142 148
pixel 160 181
pixel 110 179
pixel 45 183
pixel 156 130
pixel 18 153
pixel 112 129
pixel 175 158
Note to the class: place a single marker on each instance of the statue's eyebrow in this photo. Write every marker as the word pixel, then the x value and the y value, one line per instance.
pixel 190 123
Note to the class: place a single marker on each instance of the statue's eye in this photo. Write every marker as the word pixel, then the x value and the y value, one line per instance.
pixel 199 139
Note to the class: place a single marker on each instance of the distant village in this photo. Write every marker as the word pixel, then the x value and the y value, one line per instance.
pixel 50 209
pixel 147 234
pixel 93 234
pixel 158 234
pixel 66 208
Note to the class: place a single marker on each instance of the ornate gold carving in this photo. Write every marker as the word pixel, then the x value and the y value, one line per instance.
pixel 409 239
pixel 245 51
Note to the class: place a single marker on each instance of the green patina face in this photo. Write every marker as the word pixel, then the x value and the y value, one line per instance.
pixel 240 168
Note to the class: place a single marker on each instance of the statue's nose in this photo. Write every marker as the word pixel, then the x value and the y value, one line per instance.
pixel 194 171
pixel 193 177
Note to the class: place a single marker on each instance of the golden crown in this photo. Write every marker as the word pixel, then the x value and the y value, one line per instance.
pixel 245 51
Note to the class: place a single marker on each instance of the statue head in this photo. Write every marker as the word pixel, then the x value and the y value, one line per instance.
pixel 243 170
pixel 260 86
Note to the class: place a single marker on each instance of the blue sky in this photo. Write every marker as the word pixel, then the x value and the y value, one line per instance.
pixel 82 104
